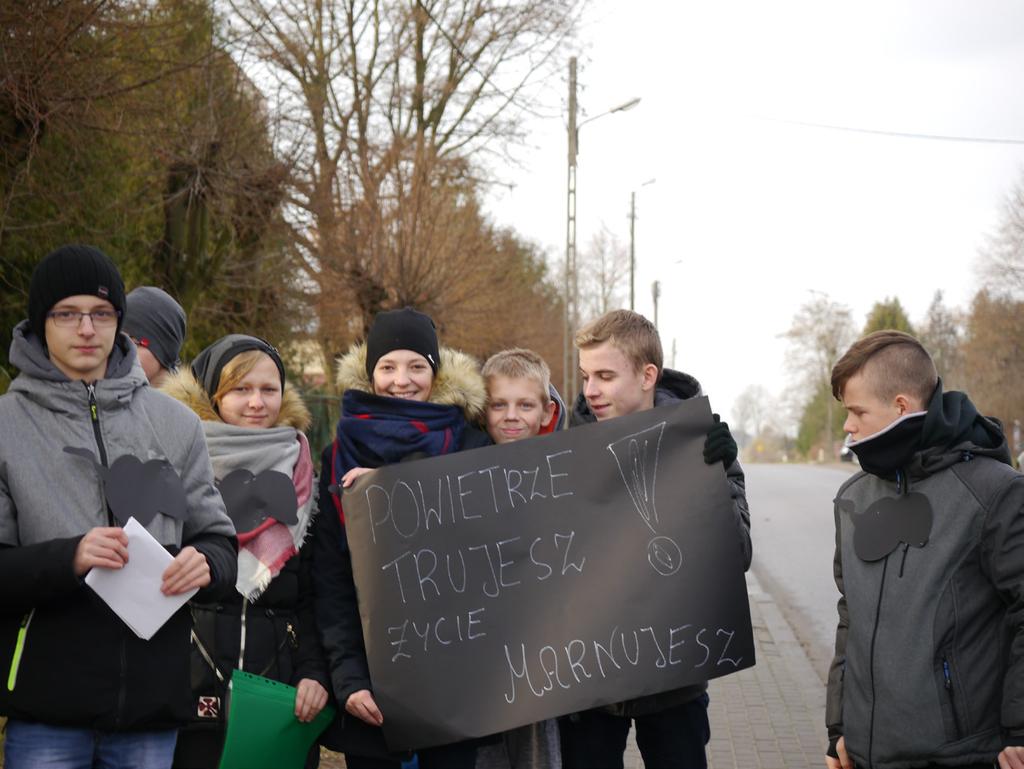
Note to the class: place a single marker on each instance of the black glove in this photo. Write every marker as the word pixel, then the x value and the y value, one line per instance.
pixel 720 446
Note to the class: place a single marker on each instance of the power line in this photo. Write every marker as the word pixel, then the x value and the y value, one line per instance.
pixel 900 134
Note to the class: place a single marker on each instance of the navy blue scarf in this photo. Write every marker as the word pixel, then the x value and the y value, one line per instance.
pixel 376 430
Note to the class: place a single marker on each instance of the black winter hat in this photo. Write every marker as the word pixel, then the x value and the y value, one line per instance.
pixel 209 364
pixel 157 322
pixel 405 329
pixel 69 271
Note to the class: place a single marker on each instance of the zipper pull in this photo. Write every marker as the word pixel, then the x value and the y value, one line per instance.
pixel 906 547
pixel 93 409
pixel 291 636
pixel 945 674
pixel 19 650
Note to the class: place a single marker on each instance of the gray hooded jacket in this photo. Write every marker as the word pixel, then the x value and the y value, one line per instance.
pixel 48 494
pixel 76 663
pixel 929 665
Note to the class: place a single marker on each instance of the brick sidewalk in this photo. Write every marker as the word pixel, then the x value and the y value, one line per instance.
pixel 771 716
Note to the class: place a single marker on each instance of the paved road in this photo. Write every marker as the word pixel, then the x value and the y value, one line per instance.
pixel 794 539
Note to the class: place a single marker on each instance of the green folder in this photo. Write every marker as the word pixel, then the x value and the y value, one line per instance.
pixel 263 732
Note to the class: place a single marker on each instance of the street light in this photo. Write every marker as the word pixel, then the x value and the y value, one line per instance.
pixel 571 292
pixel 632 244
pixel 656 295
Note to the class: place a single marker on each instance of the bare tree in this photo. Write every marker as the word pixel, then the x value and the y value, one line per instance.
pixel 755 410
pixel 819 334
pixel 383 105
pixel 941 334
pixel 1001 261
pixel 604 270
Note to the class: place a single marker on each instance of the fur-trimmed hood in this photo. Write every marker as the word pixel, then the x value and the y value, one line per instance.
pixel 458 381
pixel 184 387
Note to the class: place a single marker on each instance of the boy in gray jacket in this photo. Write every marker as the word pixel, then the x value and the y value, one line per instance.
pixel 929 663
pixel 81 688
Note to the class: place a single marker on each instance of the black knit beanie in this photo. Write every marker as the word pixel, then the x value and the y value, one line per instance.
pixel 405 329
pixel 72 270
pixel 209 364
pixel 157 322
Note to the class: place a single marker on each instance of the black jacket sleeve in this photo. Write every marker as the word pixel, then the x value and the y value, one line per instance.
pixel 31 575
pixel 222 556
pixel 1003 562
pixel 334 596
pixel 834 688
pixel 741 510
pixel 310 661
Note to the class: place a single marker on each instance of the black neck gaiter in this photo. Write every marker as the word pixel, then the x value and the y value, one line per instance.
pixel 885 452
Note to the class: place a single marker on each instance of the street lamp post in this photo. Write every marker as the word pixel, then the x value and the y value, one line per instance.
pixel 571 287
pixel 632 244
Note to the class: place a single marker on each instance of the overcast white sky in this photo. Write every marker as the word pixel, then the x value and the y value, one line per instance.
pixel 748 213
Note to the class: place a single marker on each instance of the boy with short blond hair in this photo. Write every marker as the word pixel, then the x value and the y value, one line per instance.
pixel 520 400
pixel 621 367
pixel 633 334
pixel 521 404
pixel 519 363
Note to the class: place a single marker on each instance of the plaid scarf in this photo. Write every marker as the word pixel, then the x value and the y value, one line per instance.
pixel 376 430
pixel 263 551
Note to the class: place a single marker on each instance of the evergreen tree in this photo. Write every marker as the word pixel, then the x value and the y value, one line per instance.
pixel 888 314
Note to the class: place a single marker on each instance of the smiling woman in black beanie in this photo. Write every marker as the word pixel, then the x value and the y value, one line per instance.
pixel 403 397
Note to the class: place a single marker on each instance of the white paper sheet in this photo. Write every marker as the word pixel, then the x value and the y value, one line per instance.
pixel 133 592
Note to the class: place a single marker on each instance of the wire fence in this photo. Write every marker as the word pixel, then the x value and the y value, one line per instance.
pixel 325 409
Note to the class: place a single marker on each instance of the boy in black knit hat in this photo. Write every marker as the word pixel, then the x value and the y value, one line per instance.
pixel 82 689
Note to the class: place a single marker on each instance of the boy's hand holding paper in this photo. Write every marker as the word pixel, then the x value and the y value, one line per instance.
pixel 136 591
pixel 104 546
pixel 188 571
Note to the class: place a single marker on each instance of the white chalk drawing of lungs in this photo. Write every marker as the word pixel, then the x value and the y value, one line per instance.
pixel 637 458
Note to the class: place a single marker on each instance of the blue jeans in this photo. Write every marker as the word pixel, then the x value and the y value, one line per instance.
pixel 29 745
pixel 672 739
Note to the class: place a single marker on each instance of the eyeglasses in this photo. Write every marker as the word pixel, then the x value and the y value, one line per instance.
pixel 73 318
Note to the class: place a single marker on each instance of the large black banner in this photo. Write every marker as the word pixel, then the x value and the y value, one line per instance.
pixel 513 583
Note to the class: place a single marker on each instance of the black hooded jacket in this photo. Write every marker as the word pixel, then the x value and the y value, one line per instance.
pixel 676 386
pixel 929 562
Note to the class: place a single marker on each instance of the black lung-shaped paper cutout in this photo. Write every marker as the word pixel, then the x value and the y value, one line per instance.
pixel 137 489
pixel 251 499
pixel 889 521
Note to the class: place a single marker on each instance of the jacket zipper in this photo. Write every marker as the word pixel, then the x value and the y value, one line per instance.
pixel 948 683
pixel 19 650
pixel 874 636
pixel 94 417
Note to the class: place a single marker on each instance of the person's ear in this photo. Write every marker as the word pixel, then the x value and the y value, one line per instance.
pixel 549 413
pixel 650 377
pixel 903 405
